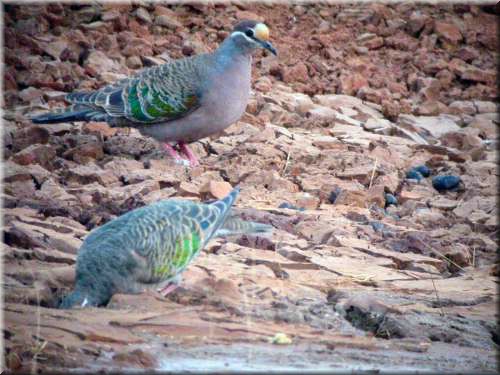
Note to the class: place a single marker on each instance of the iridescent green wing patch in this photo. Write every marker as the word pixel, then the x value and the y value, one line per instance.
pixel 163 271
pixel 185 249
pixel 135 105
pixel 148 102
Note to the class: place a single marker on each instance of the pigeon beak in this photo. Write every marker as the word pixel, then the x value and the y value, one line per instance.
pixel 262 36
pixel 268 46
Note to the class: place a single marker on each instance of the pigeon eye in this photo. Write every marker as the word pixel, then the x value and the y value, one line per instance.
pixel 249 33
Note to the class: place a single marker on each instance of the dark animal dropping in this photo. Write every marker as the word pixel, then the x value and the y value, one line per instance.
pixel 423 169
pixel 414 174
pixel 333 195
pixel 390 200
pixel 442 183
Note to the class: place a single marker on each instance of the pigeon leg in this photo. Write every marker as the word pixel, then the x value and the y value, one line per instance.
pixel 171 286
pixel 193 160
pixel 168 289
pixel 171 151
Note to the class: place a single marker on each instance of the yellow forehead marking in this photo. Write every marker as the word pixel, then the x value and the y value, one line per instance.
pixel 261 31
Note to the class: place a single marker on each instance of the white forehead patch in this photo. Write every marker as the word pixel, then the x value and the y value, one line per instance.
pixel 85 302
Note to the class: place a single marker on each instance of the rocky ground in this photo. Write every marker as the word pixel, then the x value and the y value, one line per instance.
pixel 357 97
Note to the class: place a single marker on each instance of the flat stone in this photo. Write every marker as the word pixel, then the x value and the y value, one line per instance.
pixel 373 124
pixel 362 173
pixel 443 203
pixel 15 172
pixel 326 142
pixel 89 173
pixel 448 31
pixel 295 102
pixel 167 21
pixel 485 107
pixel 216 189
pixel 435 126
pixel 462 107
pixel 486 126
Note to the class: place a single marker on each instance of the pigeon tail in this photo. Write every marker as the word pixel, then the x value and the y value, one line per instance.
pixel 225 203
pixel 224 207
pixel 71 114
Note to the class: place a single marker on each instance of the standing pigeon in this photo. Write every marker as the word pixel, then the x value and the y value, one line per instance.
pixel 147 247
pixel 178 102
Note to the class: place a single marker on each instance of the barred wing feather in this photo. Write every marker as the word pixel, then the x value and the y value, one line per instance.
pixel 157 94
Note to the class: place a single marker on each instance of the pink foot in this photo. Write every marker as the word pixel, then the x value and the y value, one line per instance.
pixel 171 151
pixel 193 160
pixel 168 289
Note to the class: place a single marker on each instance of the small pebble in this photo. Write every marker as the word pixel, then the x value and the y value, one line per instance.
pixel 414 174
pixel 334 194
pixel 442 183
pixel 377 226
pixel 392 212
pixel 280 339
pixel 291 206
pixel 381 228
pixel 423 169
pixel 390 200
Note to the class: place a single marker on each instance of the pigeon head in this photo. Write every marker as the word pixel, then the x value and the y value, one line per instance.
pixel 79 299
pixel 87 295
pixel 250 35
